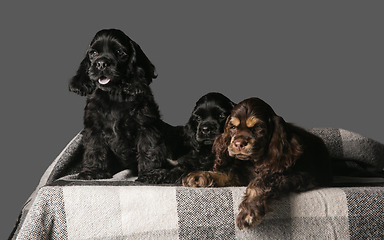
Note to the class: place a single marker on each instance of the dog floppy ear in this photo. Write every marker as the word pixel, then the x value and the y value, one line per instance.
pixel 81 83
pixel 220 149
pixel 220 146
pixel 232 104
pixel 190 133
pixel 284 148
pixel 140 63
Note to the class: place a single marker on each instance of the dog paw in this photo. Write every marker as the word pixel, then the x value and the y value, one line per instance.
pixel 248 219
pixel 154 176
pixel 149 179
pixel 173 177
pixel 87 175
pixel 251 213
pixel 198 179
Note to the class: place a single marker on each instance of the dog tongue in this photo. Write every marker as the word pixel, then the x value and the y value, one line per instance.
pixel 104 80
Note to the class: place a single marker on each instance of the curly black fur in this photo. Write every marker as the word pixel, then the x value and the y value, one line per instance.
pixel 122 124
pixel 204 125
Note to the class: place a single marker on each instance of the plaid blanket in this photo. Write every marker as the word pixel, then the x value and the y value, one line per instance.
pixel 352 154
pixel 118 211
pixel 119 208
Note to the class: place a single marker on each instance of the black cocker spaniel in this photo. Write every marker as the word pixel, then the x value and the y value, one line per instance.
pixel 122 124
pixel 204 125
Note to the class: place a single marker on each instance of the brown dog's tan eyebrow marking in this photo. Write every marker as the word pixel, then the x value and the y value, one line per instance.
pixel 235 121
pixel 251 121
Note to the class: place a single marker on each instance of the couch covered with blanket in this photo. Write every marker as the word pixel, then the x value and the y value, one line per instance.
pixel 63 207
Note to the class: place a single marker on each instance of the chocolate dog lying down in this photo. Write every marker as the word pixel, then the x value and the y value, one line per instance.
pixel 258 149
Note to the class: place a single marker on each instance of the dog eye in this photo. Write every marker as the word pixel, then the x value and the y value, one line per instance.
pixel 93 53
pixel 120 52
pixel 232 128
pixel 198 118
pixel 222 116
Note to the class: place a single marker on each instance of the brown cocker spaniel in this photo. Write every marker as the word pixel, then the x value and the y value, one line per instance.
pixel 258 149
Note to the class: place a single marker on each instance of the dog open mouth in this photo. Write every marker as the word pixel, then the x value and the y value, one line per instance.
pixel 104 80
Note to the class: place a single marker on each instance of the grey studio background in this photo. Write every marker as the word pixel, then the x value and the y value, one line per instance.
pixel 318 64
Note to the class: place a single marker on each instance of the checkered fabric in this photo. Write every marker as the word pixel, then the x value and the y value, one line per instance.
pixel 116 211
pixel 352 153
pixel 119 208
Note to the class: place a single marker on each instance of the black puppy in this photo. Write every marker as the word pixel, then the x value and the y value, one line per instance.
pixel 204 125
pixel 122 125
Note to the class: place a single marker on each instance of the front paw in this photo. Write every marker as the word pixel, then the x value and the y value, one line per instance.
pixel 251 213
pixel 155 176
pixel 198 179
pixel 248 219
pixel 88 175
pixel 173 177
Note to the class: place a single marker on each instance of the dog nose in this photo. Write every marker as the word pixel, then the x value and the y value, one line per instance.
pixel 240 144
pixel 206 130
pixel 101 64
